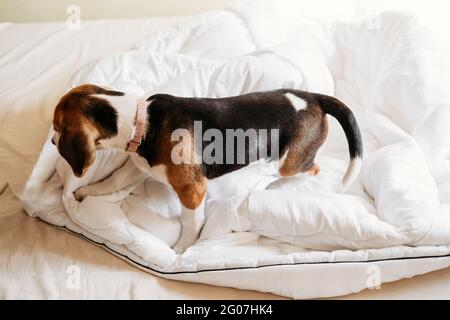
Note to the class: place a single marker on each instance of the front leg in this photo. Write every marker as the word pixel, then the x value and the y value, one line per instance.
pixel 192 222
pixel 123 177
pixel 190 186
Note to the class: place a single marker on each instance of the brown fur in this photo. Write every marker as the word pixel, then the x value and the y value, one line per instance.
pixel 309 137
pixel 78 133
pixel 189 184
pixel 188 180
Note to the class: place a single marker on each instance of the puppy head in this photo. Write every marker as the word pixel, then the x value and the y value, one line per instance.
pixel 81 120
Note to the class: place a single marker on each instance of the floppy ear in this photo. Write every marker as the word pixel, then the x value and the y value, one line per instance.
pixel 78 148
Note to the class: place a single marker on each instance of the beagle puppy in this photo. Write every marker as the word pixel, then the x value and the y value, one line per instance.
pixel 90 117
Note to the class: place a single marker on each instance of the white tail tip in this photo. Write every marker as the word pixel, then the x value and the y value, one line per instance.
pixel 352 172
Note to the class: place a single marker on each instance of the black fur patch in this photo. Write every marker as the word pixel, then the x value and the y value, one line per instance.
pixel 103 114
pixel 262 110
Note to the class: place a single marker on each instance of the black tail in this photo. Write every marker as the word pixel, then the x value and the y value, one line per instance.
pixel 344 115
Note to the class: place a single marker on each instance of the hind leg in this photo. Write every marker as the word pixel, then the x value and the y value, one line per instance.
pixel 311 134
pixel 297 163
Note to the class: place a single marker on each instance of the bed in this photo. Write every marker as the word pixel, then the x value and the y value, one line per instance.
pixel 37 259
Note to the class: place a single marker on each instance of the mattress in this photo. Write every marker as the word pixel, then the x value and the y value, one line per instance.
pixel 412 262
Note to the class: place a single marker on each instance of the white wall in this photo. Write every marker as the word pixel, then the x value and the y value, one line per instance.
pixel 433 12
pixel 55 10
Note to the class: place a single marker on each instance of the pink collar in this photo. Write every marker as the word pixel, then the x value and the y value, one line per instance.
pixel 141 115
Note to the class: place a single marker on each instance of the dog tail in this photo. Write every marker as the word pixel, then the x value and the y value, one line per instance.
pixel 346 119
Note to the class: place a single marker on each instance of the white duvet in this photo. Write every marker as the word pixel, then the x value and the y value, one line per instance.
pixel 263 232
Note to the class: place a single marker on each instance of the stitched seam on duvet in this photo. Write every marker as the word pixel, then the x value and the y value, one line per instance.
pixel 106 247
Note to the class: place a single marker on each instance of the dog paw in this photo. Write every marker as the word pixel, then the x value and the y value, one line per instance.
pixel 314 171
pixel 180 248
pixel 182 245
pixel 81 193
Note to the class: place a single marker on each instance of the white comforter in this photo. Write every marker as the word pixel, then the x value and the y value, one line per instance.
pixel 385 67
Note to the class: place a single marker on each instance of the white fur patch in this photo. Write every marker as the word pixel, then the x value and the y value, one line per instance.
pixel 278 164
pixel 192 222
pixel 352 172
pixel 125 107
pixel 298 103
pixel 158 172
